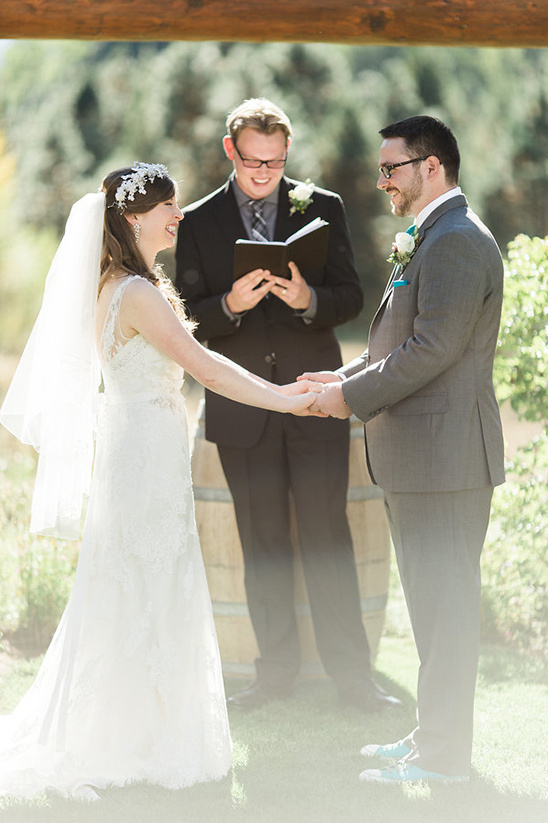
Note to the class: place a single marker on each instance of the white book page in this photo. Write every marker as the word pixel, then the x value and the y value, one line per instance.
pixel 315 224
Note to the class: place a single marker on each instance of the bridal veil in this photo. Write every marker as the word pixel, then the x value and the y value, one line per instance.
pixel 51 401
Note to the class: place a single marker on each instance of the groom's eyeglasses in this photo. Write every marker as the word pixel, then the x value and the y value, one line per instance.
pixel 388 168
pixel 256 164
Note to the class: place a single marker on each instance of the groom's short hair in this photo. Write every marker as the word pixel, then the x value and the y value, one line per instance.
pixel 425 136
pixel 258 113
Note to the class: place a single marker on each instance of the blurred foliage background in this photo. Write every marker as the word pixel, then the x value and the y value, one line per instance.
pixel 70 111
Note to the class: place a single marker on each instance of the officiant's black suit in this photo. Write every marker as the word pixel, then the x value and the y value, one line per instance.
pixel 266 454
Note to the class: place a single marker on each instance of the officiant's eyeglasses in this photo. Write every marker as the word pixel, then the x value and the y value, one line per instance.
pixel 256 164
pixel 388 168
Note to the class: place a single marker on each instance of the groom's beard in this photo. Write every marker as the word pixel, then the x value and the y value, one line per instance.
pixel 407 197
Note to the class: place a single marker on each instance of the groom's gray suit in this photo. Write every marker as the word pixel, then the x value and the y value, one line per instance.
pixel 434 444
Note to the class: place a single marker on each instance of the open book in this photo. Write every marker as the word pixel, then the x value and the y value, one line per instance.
pixel 307 248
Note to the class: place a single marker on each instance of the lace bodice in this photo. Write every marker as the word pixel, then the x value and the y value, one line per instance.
pixel 143 421
pixel 133 369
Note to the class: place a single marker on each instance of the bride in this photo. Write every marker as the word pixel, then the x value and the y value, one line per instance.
pixel 131 687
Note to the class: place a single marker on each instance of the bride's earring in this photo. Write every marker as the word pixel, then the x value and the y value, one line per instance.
pixel 137 231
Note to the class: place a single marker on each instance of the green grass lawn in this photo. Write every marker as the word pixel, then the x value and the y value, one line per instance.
pixel 298 761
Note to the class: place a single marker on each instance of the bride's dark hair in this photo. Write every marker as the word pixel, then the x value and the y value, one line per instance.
pixel 121 254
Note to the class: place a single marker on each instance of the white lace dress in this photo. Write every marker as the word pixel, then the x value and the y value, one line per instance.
pixel 131 686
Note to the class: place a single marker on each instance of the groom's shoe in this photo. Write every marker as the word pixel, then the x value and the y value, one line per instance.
pixel 404 772
pixel 391 751
pixel 255 696
pixel 367 696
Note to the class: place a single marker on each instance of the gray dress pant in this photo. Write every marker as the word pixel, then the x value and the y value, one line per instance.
pixel 438 538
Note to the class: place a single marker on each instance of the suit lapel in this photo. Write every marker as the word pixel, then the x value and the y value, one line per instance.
pixel 286 223
pixel 282 229
pixel 452 203
pixel 396 271
pixel 228 215
pixel 396 274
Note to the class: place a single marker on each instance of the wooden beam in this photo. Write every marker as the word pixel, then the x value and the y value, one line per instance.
pixel 370 22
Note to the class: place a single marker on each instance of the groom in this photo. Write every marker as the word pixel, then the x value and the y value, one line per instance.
pixel 433 434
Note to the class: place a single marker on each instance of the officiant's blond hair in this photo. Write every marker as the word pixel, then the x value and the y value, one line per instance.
pixel 258 113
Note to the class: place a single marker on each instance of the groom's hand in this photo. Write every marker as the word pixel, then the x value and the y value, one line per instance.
pixel 301 387
pixel 331 401
pixel 328 404
pixel 321 376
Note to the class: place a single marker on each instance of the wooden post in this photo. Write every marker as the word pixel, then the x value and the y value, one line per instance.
pixel 501 23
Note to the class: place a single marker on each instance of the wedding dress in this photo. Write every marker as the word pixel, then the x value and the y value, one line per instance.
pixel 130 688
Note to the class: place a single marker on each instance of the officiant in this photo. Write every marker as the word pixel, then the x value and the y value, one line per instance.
pixel 278 326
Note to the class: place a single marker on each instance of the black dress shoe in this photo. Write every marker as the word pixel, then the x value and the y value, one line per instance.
pixel 367 696
pixel 254 696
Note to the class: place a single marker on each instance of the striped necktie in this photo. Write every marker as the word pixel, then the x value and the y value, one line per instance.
pixel 259 229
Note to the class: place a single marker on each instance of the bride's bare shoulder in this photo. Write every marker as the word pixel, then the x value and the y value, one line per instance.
pixel 142 293
pixel 109 287
pixel 112 285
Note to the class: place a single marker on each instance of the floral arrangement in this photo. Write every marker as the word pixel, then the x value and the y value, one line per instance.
pixel 135 182
pixel 301 197
pixel 404 246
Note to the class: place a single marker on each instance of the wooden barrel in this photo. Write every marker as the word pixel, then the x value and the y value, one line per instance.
pixel 223 559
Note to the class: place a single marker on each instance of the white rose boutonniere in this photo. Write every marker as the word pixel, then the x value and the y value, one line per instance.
pixel 301 197
pixel 404 246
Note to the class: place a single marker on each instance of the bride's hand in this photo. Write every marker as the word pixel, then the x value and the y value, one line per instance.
pixel 302 404
pixel 301 397
pixel 299 387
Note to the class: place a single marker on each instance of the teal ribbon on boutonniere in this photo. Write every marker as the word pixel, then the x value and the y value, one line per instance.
pixel 404 246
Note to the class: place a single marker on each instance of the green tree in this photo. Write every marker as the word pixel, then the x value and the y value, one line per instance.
pixel 106 106
pixel 521 369
pixel 516 557
pixel 25 253
pixel 73 110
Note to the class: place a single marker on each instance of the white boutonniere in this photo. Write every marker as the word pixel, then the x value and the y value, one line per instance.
pixel 301 197
pixel 404 246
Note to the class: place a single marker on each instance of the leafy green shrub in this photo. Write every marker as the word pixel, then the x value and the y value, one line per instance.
pixel 515 564
pixel 521 366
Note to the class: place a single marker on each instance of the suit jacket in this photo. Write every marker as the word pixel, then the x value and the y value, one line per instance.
pixel 424 388
pixel 272 340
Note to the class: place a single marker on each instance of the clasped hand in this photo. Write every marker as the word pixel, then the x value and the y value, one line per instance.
pixel 304 393
pixel 250 289
pixel 329 400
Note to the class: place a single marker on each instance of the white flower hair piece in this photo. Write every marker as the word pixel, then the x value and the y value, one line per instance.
pixel 135 182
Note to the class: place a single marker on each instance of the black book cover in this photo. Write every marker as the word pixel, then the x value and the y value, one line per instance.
pixel 307 248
